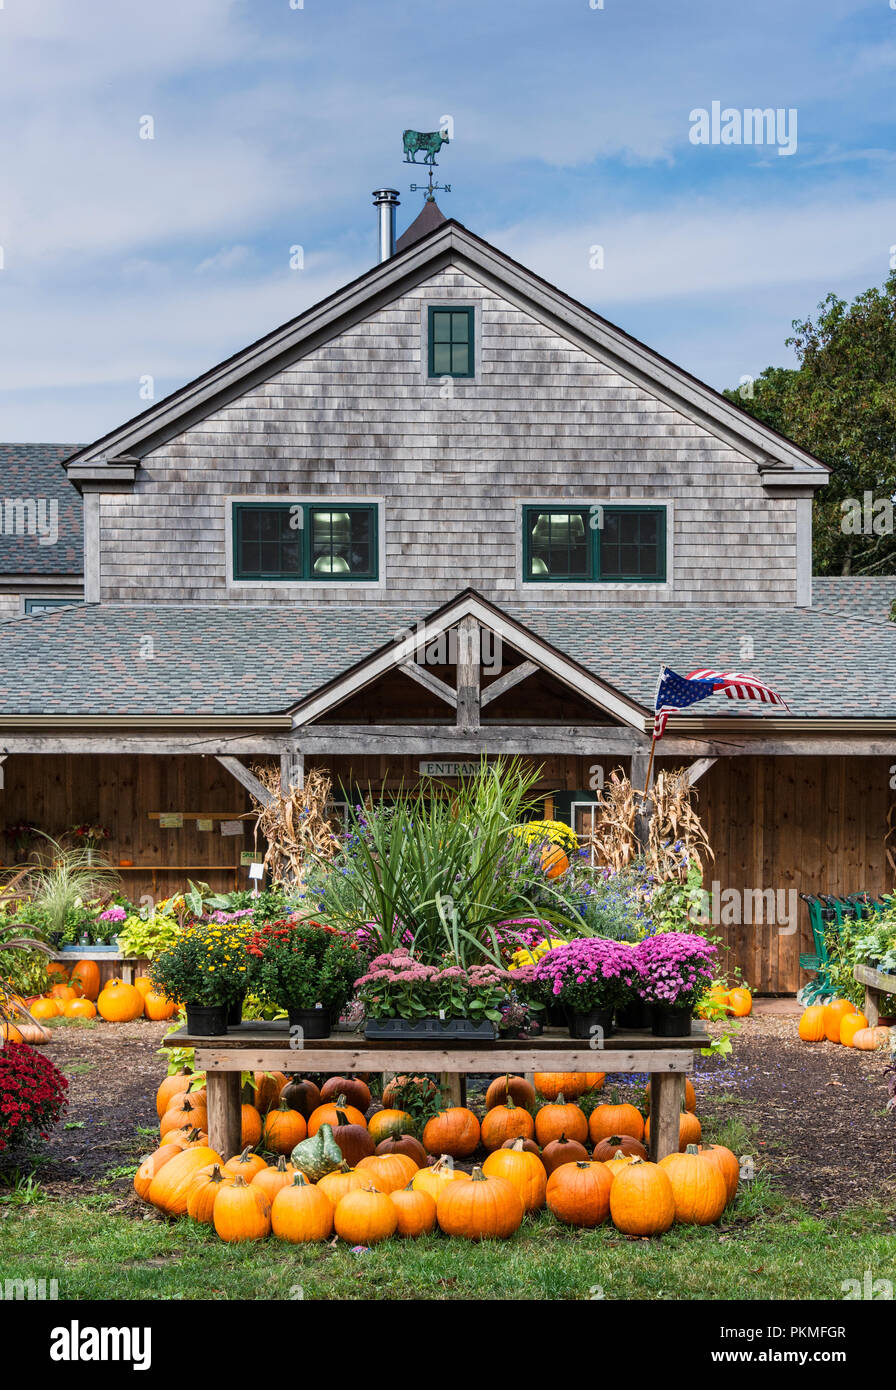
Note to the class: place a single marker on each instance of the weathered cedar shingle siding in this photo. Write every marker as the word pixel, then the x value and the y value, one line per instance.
pixel 542 421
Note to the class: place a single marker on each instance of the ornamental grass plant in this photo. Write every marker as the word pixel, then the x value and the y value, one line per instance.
pixel 441 867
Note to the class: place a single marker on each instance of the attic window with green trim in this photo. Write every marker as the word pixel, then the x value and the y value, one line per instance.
pixel 451 341
pixel 594 544
pixel 285 542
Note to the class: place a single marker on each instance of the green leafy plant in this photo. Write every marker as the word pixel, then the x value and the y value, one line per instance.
pixel 439 868
pixel 148 936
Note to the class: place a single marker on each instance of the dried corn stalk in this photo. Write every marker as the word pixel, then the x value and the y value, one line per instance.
pixel 618 827
pixel 614 839
pixel 674 821
pixel 294 823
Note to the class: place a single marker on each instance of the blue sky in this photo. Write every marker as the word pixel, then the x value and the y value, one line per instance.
pixel 126 258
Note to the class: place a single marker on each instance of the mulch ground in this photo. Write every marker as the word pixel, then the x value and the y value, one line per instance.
pixel 816 1115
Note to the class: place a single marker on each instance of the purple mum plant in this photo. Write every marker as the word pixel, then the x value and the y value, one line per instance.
pixel 675 968
pixel 590 973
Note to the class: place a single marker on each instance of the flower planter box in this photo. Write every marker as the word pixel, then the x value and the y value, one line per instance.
pixel 429 1029
pixel 78 951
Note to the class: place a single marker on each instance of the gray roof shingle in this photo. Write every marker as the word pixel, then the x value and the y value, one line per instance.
pixel 239 659
pixel 35 471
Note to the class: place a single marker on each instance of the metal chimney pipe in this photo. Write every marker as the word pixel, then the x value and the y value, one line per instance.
pixel 386 200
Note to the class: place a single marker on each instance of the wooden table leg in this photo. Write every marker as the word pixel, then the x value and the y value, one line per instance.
pixel 224 1112
pixel 871 1010
pixel 665 1109
pixel 451 1087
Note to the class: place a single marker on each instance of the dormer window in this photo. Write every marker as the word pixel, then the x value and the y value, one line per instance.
pixel 624 544
pixel 452 350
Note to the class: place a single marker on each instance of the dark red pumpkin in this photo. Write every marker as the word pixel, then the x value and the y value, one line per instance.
pixel 562 1150
pixel 356 1092
pixel 302 1095
pixel 515 1088
pixel 404 1144
pixel 618 1144
pixel 529 1146
pixel 355 1141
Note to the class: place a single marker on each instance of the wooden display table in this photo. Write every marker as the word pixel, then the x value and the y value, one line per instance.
pixel 128 964
pixel 876 984
pixel 262 1046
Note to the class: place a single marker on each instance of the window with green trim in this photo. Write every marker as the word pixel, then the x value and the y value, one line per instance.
pixel 285 542
pixel 595 544
pixel 451 341
pixel 45 605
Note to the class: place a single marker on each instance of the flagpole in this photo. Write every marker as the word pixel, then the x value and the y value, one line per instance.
pixel 649 765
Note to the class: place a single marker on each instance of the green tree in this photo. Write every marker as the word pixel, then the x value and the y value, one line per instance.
pixel 840 404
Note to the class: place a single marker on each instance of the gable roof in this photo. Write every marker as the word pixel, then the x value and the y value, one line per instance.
pixel 35 471
pixel 82 661
pixel 449 243
pixel 535 648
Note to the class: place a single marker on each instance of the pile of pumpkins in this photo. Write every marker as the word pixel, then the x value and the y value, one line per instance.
pixel 335 1171
pixel 839 1021
pixel 79 995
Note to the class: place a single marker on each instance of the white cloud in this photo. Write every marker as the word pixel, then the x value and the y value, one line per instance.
pixel 228 258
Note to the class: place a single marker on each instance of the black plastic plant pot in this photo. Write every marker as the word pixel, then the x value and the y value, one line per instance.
pixel 314 1023
pixel 235 1014
pixel 206 1020
pixel 594 1023
pixel 435 1029
pixel 671 1023
pixel 635 1017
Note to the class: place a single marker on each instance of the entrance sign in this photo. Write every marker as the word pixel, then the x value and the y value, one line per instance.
pixel 448 769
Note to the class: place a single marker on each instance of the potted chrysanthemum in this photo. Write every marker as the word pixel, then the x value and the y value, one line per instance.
pixel 675 969
pixel 306 968
pixel 591 977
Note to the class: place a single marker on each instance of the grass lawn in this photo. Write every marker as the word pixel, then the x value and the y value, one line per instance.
pixel 766 1248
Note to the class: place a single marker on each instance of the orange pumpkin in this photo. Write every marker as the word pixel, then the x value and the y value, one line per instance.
pixel 851 1024
pixel 330 1113
pixel 573 1084
pixel 86 974
pixel 144 984
pixel 157 1006
pixel 271 1180
pixel 740 1002
pixel 454 1131
pixel 834 1014
pixel 727 1164
pixel 415 1211
pixel 523 1169
pixel 172 1085
pixel 615 1119
pixel 342 1181
pixel 579 1193
pixel 151 1165
pixel 244 1165
pixel 283 1129
pixel 47 1008
pixel 388 1172
pixel 250 1126
pixel 170 1188
pixel 203 1192
pixel 811 1027
pixel 699 1190
pixel 506 1122
pixel 78 1008
pixel 560 1117
pixel 483 1208
pixel 241 1212
pixel 9 1032
pixel 433 1180
pixel 515 1088
pixel 642 1202
pixel 554 862
pixel 119 1003
pixel 64 992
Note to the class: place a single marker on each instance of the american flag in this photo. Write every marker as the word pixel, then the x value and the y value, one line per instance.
pixel 676 692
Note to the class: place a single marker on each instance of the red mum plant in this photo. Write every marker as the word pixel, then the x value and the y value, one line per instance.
pixel 32 1094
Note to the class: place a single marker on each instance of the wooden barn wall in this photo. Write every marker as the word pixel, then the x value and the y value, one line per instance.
pixel 119 791
pixel 803 824
pixel 356 417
